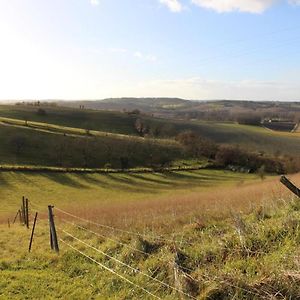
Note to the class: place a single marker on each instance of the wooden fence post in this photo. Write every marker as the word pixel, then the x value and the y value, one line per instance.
pixel 32 232
pixel 53 235
pixel 290 186
pixel 26 213
pixel 16 216
pixel 23 210
pixel 8 223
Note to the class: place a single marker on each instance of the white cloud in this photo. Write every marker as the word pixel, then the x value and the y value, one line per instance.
pixel 251 6
pixel 94 2
pixel 294 2
pixel 173 5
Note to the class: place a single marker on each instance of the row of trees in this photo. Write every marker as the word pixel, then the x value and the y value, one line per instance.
pixel 225 155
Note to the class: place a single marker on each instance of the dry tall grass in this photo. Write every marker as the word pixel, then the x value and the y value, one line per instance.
pixel 170 212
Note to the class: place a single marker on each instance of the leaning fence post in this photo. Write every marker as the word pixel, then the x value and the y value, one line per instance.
pixel 32 232
pixel 53 235
pixel 16 216
pixel 290 185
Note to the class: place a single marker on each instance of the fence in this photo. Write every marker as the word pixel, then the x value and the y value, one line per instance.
pixel 59 234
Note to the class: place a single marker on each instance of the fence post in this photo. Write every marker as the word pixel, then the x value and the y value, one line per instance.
pixel 53 235
pixel 16 216
pixel 26 213
pixel 290 186
pixel 23 210
pixel 8 223
pixel 32 232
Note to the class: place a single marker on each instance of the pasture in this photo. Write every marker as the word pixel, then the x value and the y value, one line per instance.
pixel 121 125
pixel 201 235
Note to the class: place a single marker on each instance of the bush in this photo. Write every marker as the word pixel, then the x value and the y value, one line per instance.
pixel 197 146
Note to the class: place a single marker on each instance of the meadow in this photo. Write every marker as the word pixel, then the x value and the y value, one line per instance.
pixel 69 119
pixel 181 234
pixel 204 234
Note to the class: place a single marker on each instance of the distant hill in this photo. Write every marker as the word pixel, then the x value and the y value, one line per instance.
pixel 147 105
pixel 220 110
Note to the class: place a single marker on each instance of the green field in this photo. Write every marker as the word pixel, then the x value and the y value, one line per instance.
pixel 114 122
pixel 21 145
pixel 249 137
pixel 201 235
pixel 204 234
pixel 78 190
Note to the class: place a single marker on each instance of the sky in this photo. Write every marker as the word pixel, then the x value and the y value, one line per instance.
pixel 192 49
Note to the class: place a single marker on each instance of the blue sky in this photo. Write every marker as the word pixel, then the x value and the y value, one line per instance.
pixel 194 49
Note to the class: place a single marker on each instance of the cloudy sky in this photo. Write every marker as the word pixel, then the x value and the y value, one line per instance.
pixel 194 49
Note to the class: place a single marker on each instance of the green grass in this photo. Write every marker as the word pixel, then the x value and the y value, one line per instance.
pixel 113 122
pixel 56 149
pixel 250 137
pixel 69 189
pixel 244 256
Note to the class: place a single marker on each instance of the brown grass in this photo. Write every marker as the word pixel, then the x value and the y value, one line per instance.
pixel 170 211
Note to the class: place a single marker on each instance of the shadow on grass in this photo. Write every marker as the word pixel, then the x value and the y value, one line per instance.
pixel 129 182
pixel 92 179
pixel 64 179
pixel 159 181
pixel 3 181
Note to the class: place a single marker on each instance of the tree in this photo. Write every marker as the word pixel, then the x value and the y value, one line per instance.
pixel 141 127
pixel 196 145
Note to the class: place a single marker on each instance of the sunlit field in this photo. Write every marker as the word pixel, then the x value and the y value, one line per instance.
pixel 138 195
pixel 184 235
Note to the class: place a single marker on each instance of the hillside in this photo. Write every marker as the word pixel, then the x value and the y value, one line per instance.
pixel 178 108
pixel 254 138
pixel 26 146
pixel 147 105
pixel 118 242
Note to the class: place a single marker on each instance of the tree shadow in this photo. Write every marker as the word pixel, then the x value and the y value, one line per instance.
pixel 63 179
pixel 92 179
pixel 3 181
pixel 153 180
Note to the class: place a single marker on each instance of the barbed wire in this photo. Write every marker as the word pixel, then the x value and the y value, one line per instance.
pixel 121 230
pixel 181 267
pixel 128 266
pixel 109 269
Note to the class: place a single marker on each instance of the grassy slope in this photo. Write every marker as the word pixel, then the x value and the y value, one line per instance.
pixel 55 149
pixel 109 189
pixel 114 122
pixel 245 256
pixel 250 137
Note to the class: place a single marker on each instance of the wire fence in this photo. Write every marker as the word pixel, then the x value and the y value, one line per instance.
pixel 128 266
pixel 109 269
pixel 147 236
pixel 207 277
pixel 261 294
